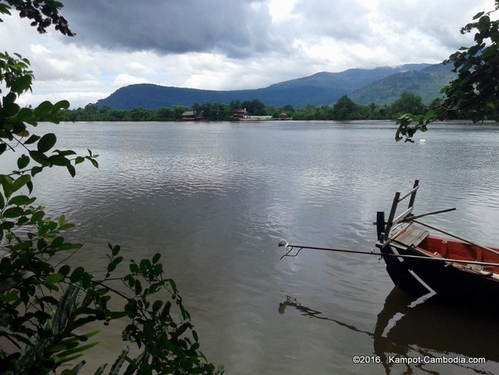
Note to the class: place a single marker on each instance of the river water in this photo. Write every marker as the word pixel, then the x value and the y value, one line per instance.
pixel 215 198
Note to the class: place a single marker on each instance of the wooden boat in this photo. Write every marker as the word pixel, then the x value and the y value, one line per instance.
pixel 419 262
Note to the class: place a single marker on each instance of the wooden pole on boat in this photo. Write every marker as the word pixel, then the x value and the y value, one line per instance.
pixel 284 243
pixel 414 217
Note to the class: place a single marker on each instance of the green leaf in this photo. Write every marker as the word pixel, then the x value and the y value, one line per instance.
pixel 23 162
pixel 19 182
pixel 25 115
pixel 6 225
pixel 115 369
pixel 65 152
pixel 101 369
pixel 21 200
pixel 70 246
pixel 10 109
pixel 94 162
pixel 9 98
pixel 75 370
pixel 61 220
pixel 115 250
pixel 37 216
pixel 89 335
pixel 21 84
pixel 138 287
pixel 66 226
pixel 34 138
pixel 478 15
pixel 36 170
pixel 4 9
pixel 18 127
pixel 158 269
pixel 23 133
pixel 43 109
pixel 71 170
pixel 173 284
pixel 92 316
pixel 86 281
pixel 22 221
pixel 134 268
pixel 41 244
pixel 77 274
pixel 40 158
pixel 6 183
pixel 59 160
pixel 53 279
pixel 145 264
pixel 57 242
pixel 156 257
pixel 148 332
pixel 112 266
pixel 72 354
pixel 64 270
pixel 24 245
pixel 9 297
pixel 157 305
pixel 13 212
pixel 430 115
pixel 62 104
pixel 46 142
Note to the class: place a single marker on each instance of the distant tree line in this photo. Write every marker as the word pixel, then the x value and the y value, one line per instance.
pixel 343 109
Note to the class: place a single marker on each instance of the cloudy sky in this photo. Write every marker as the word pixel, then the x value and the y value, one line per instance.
pixel 229 44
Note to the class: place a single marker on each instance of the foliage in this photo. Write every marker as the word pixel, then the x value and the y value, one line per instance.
pixel 408 102
pixel 474 93
pixel 42 13
pixel 476 90
pixel 45 302
pixel 344 109
pixel 410 124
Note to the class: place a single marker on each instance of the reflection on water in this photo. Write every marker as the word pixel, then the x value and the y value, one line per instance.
pixel 311 313
pixel 433 328
pixel 215 198
pixel 412 336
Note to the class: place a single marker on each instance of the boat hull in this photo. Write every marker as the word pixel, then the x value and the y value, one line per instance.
pixel 421 276
pixel 420 263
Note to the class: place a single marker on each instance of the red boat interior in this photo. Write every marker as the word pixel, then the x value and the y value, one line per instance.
pixel 452 249
pixel 435 246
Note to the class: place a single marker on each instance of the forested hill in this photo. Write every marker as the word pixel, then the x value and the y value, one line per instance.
pixel 367 86
pixel 425 83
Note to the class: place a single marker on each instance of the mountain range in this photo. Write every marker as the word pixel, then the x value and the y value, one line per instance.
pixel 381 85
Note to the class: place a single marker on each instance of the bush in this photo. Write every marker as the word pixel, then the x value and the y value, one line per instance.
pixel 46 305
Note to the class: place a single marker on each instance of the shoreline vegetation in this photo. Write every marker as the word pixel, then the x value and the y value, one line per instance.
pixel 343 109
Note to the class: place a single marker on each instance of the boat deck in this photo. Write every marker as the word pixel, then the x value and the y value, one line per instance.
pixel 411 235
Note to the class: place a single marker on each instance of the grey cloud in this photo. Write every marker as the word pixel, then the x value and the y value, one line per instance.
pixel 237 28
pixel 436 21
pixel 341 19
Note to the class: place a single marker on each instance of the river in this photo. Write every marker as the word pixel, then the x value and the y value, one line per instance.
pixel 215 198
